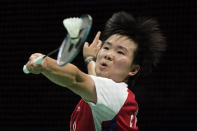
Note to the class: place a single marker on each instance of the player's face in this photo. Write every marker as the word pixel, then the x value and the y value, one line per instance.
pixel 114 60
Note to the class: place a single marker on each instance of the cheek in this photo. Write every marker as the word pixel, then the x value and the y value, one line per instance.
pixel 123 63
pixel 99 55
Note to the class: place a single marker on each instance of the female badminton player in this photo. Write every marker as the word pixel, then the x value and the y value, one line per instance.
pixel 130 47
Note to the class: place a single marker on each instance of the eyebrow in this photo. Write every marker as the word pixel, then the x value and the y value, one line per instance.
pixel 120 47
pixel 106 42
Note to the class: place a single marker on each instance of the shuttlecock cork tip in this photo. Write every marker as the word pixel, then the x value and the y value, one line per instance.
pixel 73 26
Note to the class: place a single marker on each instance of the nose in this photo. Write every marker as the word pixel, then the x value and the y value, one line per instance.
pixel 108 56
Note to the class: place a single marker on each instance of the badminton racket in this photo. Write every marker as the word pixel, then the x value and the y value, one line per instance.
pixel 78 30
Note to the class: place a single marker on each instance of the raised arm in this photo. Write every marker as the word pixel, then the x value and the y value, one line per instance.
pixel 89 53
pixel 68 76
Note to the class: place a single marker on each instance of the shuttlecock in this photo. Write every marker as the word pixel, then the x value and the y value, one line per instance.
pixel 73 26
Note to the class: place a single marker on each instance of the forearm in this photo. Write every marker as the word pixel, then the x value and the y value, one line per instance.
pixel 65 76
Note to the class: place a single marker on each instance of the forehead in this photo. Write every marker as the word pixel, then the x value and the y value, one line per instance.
pixel 121 41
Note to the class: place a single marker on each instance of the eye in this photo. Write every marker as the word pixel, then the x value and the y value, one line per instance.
pixel 121 52
pixel 106 48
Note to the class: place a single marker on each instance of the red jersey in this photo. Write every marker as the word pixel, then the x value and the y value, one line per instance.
pixel 115 110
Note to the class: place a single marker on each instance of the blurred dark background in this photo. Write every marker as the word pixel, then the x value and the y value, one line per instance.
pixel 167 98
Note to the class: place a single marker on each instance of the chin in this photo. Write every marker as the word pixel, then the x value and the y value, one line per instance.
pixel 102 74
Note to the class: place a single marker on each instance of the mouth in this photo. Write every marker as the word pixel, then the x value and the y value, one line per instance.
pixel 103 65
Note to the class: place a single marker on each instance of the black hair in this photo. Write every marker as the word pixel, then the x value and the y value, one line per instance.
pixel 144 32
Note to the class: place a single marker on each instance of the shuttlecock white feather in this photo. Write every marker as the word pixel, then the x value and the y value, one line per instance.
pixel 73 26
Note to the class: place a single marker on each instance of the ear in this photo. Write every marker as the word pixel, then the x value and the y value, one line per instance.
pixel 134 70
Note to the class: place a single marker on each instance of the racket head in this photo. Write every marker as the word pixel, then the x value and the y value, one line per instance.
pixel 68 51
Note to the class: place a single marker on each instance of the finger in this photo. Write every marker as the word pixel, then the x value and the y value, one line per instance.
pixel 96 39
pixel 28 65
pixel 33 56
pixel 85 45
pixel 99 43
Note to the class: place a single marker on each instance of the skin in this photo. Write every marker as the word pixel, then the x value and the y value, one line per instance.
pixel 114 61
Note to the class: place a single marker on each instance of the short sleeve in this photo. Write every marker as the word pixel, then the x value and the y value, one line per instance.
pixel 110 95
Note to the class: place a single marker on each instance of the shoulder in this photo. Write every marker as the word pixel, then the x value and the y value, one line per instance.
pixel 110 94
pixel 106 82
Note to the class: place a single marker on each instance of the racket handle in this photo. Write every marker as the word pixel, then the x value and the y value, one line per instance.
pixel 36 61
pixel 25 70
pixel 39 60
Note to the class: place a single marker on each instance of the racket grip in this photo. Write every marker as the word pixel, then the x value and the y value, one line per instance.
pixel 36 61
pixel 39 60
pixel 25 70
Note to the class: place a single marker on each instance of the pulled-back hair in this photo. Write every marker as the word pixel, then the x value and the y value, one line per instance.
pixel 144 32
